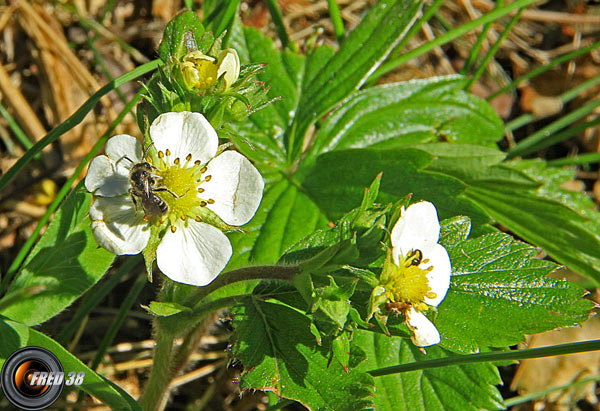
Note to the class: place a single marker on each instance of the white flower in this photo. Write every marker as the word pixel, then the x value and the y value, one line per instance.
pixel 195 187
pixel 418 276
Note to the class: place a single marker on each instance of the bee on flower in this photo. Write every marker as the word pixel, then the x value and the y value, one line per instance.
pixel 416 273
pixel 176 201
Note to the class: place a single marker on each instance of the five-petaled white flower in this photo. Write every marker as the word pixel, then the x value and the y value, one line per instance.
pixel 196 188
pixel 417 275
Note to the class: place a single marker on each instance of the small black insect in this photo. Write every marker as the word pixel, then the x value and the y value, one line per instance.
pixel 418 259
pixel 144 184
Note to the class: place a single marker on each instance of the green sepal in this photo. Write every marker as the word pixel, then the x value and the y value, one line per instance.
pixel 340 347
pixel 165 309
pixel 156 233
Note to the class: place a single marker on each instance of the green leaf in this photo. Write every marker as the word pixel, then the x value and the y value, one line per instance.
pixel 65 262
pixel 459 387
pixel 400 114
pixel 285 216
pixel 333 301
pixel 337 180
pixel 499 292
pixel 362 51
pixel 280 354
pixel 14 335
pixel 558 229
pixel 509 193
pixel 179 34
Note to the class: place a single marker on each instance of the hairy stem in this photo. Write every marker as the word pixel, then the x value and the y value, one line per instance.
pixel 168 361
pixel 154 397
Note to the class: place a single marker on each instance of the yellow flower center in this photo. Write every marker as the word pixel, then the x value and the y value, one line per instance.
pixel 407 282
pixel 180 187
pixel 199 71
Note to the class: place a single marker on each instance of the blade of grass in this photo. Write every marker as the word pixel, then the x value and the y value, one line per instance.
pixel 514 355
pixel 477 46
pixel 540 394
pixel 492 51
pixel 110 4
pixel 564 99
pixel 93 297
pixel 582 159
pixel 544 137
pixel 75 118
pixel 414 29
pixel 103 31
pixel 133 294
pixel 100 61
pixel 19 134
pixel 562 59
pixel 24 251
pixel 336 20
pixel 451 35
pixel 277 17
pixel 189 4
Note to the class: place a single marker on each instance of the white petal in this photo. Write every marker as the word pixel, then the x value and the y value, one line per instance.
pixel 185 133
pixel 424 332
pixel 193 255
pixel 116 225
pixel 417 229
pixel 235 185
pixel 229 66
pixel 106 178
pixel 439 277
pixel 122 147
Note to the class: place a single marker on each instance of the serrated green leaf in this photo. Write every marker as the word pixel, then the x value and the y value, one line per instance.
pixel 499 292
pixel 280 354
pixel 466 387
pixel 14 335
pixel 406 113
pixel 65 262
pixel 362 51
pixel 558 229
pixel 173 43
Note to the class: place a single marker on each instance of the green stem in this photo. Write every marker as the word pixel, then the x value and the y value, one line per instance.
pixel 161 374
pixel 243 274
pixel 561 349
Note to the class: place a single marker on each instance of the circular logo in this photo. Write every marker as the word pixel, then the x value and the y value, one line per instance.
pixel 32 378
